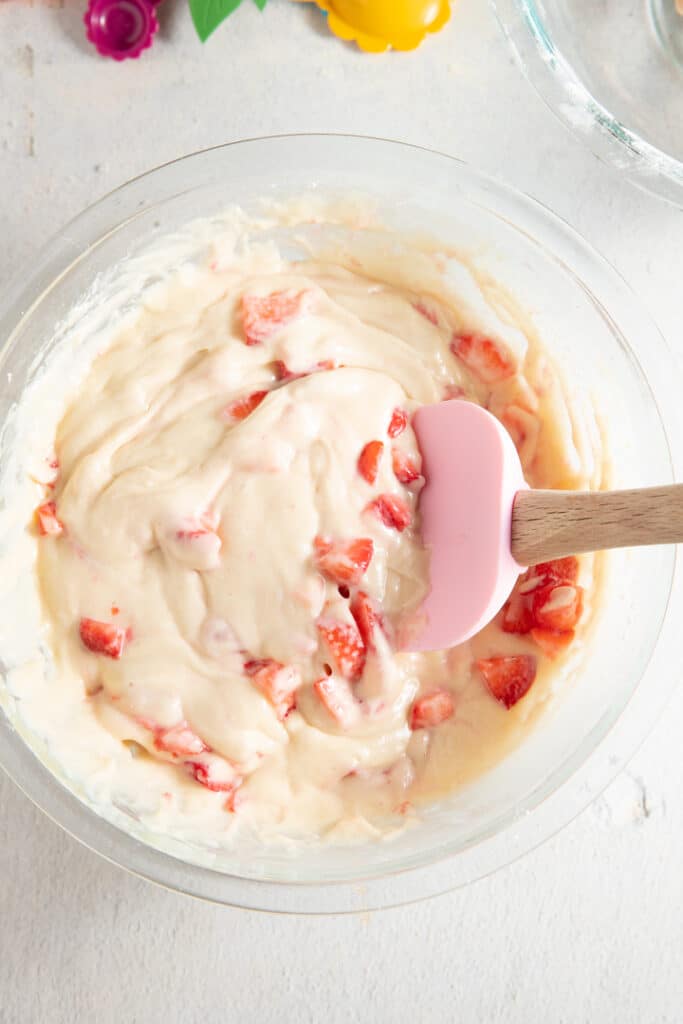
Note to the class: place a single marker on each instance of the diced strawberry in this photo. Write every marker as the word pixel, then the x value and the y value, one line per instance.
pixel 345 645
pixel 558 606
pixel 392 511
pixel 284 373
pixel 398 422
pixel 264 316
pixel 518 616
pixel 365 617
pixel 508 677
pixel 427 313
pixel 485 357
pixel 405 469
pixel 335 698
pixel 277 682
pixel 551 642
pixel 179 740
pixel 565 570
pixel 243 407
pixel 103 638
pixel 49 523
pixel 432 709
pixel 369 459
pixel 344 561
pixel 202 772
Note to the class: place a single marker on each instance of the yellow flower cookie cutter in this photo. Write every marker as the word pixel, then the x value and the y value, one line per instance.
pixel 376 25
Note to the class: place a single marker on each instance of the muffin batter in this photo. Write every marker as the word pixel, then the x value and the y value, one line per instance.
pixel 229 539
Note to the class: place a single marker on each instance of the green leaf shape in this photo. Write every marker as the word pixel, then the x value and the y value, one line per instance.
pixel 260 4
pixel 208 14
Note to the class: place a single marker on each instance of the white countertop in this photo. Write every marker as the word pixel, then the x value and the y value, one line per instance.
pixel 589 928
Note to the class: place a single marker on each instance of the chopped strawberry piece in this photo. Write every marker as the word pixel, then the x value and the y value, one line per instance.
pixel 432 709
pixel 49 523
pixel 344 561
pixel 103 638
pixel 485 357
pixel 392 511
pixel 428 314
pixel 278 683
pixel 518 616
pixel 243 407
pixel 203 774
pixel 365 617
pixel 336 699
pixel 405 469
pixel 284 373
pixel 115 609
pixel 551 642
pixel 369 459
pixel 398 422
pixel 345 645
pixel 179 740
pixel 264 316
pixel 558 606
pixel 565 570
pixel 508 677
pixel 519 613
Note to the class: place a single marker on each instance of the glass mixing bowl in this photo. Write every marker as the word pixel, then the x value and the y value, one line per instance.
pixel 606 345
pixel 612 71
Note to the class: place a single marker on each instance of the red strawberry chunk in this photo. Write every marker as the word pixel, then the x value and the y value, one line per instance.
pixel 551 642
pixel 508 677
pixel 343 561
pixel 345 645
pixel 264 316
pixel 398 422
pixel 365 617
pixel 432 709
pixel 405 468
pixel 485 357
pixel 103 638
pixel 336 698
pixel 205 774
pixel 565 570
pixel 180 739
pixel 278 683
pixel 518 616
pixel 558 606
pixel 243 407
pixel 49 523
pixel 391 510
pixel 369 460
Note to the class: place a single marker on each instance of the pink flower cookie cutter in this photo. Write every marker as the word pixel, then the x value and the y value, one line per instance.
pixel 121 29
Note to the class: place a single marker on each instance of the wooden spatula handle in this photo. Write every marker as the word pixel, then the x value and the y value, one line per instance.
pixel 552 524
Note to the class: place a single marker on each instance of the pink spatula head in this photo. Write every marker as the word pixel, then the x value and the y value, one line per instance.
pixel 472 474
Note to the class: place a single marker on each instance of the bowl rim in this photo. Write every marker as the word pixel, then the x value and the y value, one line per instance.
pixel 565 95
pixel 586 777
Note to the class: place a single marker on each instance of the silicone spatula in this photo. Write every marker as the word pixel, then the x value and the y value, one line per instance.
pixel 483 526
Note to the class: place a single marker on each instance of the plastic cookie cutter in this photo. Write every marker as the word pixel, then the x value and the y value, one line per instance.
pixel 121 28
pixel 377 25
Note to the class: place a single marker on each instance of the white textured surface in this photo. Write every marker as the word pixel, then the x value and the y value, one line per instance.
pixel 588 928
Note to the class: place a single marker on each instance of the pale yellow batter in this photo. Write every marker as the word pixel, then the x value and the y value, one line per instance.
pixel 197 566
